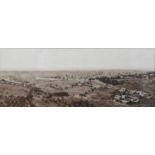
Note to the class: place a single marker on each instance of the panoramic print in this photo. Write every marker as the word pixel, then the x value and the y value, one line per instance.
pixel 77 77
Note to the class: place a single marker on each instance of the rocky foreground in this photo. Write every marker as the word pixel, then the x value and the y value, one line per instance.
pixel 77 89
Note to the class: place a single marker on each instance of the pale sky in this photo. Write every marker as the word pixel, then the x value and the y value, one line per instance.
pixel 76 59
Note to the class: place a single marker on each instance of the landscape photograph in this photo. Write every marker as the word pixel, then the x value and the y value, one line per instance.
pixel 77 77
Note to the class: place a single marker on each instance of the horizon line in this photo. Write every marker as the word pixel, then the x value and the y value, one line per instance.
pixel 74 70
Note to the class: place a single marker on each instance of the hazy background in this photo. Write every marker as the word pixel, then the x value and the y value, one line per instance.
pixel 76 59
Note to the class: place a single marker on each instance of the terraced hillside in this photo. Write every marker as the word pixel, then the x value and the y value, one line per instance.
pixel 77 89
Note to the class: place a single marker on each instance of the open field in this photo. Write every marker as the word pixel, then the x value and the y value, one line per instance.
pixel 77 89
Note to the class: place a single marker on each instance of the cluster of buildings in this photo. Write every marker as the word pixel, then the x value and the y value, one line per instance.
pixel 126 96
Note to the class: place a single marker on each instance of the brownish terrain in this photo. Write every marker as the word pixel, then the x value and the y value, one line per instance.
pixel 77 89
